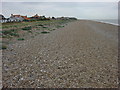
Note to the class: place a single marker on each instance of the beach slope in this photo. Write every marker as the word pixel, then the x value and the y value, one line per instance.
pixel 82 54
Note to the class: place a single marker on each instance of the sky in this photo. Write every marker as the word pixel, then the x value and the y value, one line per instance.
pixel 60 0
pixel 82 9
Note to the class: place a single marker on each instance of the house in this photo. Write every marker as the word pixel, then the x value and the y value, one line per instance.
pixel 37 17
pixel 53 18
pixel 25 18
pixel 48 18
pixel 15 18
pixel 42 17
pixel 2 19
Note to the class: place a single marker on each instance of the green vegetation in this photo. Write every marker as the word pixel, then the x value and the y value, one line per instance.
pixel 27 28
pixel 8 31
pixel 44 27
pixel 0 26
pixel 37 32
pixel 33 27
pixel 44 32
pixel 3 47
pixel 21 39
pixel 14 34
pixel 51 29
pixel 40 25
pixel 30 31
pixel 11 32
pixel 32 36
pixel 59 26
pixel 23 24
pixel 33 23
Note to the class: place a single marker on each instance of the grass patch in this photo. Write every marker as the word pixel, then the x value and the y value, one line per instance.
pixel 53 29
pixel 21 39
pixel 30 31
pixel 8 31
pixel 40 25
pixel 27 28
pixel 37 32
pixel 44 32
pixel 44 27
pixel 32 36
pixel 59 26
pixel 11 32
pixel 6 36
pixel 3 47
pixel 14 34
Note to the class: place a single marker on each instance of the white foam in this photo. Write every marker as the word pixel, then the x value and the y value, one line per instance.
pixel 109 23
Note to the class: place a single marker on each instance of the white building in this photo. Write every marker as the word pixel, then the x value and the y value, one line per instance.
pixel 15 18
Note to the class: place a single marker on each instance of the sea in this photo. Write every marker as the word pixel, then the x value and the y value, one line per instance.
pixel 110 21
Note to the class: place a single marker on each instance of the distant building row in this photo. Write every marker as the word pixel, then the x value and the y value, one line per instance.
pixel 20 18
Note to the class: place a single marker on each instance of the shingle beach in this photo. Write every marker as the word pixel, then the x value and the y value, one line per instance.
pixel 82 54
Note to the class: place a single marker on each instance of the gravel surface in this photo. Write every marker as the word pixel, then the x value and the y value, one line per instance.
pixel 82 54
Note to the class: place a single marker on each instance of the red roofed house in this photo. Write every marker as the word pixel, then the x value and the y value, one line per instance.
pixel 35 16
pixel 25 17
pixel 16 18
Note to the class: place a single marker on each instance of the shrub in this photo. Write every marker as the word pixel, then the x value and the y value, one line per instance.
pixel 51 29
pixel 14 34
pixel 20 39
pixel 11 32
pixel 40 25
pixel 30 31
pixel 3 47
pixel 45 32
pixel 27 28
pixel 44 27
pixel 58 26
pixel 32 36
pixel 7 32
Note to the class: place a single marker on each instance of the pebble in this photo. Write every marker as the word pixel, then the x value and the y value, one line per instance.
pixel 61 59
pixel 22 79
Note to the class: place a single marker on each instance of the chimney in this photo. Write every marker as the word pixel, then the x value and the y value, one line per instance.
pixel 11 15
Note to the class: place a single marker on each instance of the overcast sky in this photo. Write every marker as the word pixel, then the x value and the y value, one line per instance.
pixel 60 0
pixel 82 10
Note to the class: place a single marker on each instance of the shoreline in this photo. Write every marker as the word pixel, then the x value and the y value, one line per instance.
pixel 105 22
pixel 108 23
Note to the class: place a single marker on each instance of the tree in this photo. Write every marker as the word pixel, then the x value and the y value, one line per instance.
pixel 53 17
